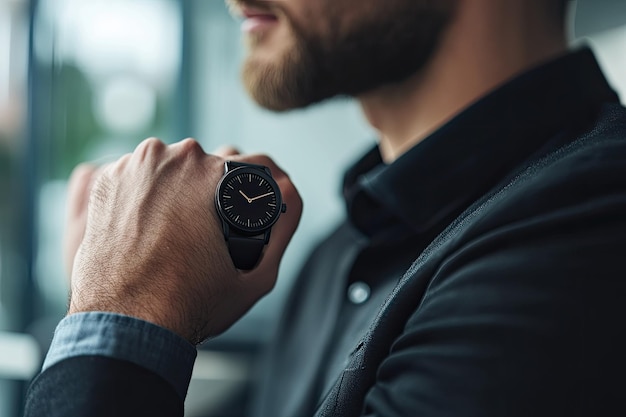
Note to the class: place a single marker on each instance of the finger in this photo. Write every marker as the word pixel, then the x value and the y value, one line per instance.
pixel 282 232
pixel 226 151
pixel 149 149
pixel 79 187
pixel 189 145
pixel 261 159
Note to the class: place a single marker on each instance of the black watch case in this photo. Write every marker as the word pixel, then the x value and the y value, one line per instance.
pixel 248 200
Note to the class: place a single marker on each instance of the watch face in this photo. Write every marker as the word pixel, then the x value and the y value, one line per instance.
pixel 249 199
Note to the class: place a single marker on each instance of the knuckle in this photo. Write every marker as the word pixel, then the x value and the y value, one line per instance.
pixel 260 159
pixel 266 160
pixel 149 146
pixel 226 151
pixel 152 143
pixel 191 145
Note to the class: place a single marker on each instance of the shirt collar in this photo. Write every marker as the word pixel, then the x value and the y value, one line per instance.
pixel 437 179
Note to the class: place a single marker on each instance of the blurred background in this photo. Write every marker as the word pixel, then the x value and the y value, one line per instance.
pixel 87 80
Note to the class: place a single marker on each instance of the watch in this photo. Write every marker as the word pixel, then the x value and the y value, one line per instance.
pixel 248 202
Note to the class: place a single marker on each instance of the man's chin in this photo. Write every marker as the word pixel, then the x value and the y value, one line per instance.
pixel 279 88
pixel 277 103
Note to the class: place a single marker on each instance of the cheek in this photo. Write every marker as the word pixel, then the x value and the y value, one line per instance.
pixel 310 17
pixel 331 21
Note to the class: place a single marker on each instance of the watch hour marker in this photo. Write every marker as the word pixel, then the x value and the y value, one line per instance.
pixel 249 177
pixel 239 179
pixel 229 208
pixel 231 187
pixel 260 183
pixel 268 215
pixel 271 205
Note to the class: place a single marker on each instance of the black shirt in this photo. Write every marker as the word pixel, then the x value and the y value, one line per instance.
pixel 395 211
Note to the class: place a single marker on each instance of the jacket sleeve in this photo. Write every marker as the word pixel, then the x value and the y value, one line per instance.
pixel 98 386
pixel 107 364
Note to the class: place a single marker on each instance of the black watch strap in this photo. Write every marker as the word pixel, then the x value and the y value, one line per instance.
pixel 245 251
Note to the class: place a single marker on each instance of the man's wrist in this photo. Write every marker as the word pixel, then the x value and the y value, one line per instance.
pixel 147 310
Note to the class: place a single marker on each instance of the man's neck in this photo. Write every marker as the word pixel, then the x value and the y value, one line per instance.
pixel 480 50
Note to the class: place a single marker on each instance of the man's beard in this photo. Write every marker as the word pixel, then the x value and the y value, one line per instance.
pixel 386 48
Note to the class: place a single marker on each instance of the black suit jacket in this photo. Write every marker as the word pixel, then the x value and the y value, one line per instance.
pixel 516 309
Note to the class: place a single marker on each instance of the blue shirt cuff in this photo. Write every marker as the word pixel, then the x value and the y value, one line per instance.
pixel 126 338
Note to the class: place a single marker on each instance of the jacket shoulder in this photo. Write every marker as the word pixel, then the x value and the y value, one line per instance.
pixel 588 172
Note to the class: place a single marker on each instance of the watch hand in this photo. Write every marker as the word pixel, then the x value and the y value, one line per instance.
pixel 245 196
pixel 259 197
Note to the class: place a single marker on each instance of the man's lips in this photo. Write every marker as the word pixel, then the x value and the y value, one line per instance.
pixel 256 19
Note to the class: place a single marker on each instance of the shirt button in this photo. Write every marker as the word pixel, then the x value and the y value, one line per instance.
pixel 359 292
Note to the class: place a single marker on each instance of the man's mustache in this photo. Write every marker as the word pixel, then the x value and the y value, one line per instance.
pixel 257 4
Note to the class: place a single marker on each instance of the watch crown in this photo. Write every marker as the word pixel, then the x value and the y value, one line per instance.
pixel 283 208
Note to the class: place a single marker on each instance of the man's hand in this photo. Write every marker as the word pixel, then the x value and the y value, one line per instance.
pixel 148 241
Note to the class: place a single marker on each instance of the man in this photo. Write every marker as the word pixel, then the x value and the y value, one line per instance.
pixel 479 270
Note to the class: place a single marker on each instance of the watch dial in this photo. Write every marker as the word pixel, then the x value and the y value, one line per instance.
pixel 249 201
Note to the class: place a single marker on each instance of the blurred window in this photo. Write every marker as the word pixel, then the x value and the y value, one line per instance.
pixel 13 263
pixel 107 71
